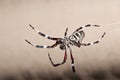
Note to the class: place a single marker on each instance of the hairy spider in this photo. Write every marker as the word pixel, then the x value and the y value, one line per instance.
pixel 75 39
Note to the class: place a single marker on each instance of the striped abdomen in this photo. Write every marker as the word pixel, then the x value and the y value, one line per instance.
pixel 76 38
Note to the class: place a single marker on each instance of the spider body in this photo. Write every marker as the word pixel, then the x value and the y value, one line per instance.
pixel 75 39
pixel 62 46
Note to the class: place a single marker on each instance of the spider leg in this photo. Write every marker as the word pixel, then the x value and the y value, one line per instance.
pixel 72 59
pixel 88 25
pixel 64 60
pixel 40 46
pixel 95 42
pixel 42 34
pixel 66 32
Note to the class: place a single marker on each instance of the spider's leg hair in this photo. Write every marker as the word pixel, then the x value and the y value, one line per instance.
pixel 64 60
pixel 42 34
pixel 40 46
pixel 72 60
pixel 66 32
pixel 95 42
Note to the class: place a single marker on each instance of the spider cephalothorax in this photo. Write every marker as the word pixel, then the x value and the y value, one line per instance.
pixel 75 39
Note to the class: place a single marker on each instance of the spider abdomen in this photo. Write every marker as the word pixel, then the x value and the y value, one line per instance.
pixel 76 38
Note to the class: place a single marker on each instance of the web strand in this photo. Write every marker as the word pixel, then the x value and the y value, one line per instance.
pixel 111 24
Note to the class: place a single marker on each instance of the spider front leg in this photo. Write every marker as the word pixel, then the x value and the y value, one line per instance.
pixel 42 34
pixel 87 25
pixel 40 46
pixel 95 42
pixel 64 60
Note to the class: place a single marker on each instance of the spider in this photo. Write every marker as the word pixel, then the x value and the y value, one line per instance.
pixel 75 39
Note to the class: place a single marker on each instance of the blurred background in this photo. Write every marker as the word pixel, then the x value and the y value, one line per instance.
pixel 21 61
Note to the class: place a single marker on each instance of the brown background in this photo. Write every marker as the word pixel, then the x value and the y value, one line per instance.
pixel 52 17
